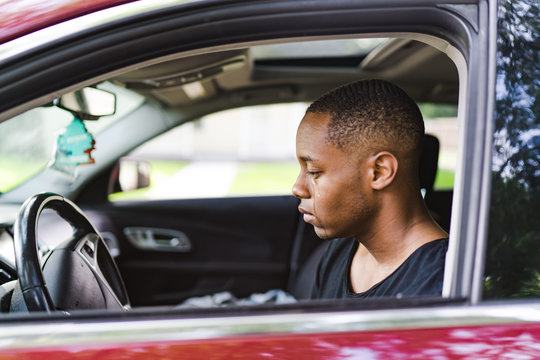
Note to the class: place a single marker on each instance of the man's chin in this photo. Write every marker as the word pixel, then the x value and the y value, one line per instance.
pixel 322 233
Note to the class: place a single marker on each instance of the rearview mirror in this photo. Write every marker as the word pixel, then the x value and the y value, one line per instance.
pixel 88 103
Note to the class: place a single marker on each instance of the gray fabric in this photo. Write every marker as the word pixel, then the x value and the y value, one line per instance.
pixel 225 298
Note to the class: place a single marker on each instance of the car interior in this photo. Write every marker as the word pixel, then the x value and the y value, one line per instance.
pixel 170 249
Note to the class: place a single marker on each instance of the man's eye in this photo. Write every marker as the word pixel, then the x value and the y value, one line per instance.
pixel 314 172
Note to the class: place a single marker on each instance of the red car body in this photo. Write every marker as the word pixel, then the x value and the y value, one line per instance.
pixel 23 17
pixel 453 342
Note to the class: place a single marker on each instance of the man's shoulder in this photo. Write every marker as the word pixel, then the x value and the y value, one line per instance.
pixel 422 273
pixel 433 251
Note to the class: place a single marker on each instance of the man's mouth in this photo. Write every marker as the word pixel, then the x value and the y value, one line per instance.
pixel 308 217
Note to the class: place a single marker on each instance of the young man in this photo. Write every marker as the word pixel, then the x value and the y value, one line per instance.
pixel 359 148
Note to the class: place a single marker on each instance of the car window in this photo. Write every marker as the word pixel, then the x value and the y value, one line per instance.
pixel 239 152
pixel 247 151
pixel 40 127
pixel 512 264
pixel 441 121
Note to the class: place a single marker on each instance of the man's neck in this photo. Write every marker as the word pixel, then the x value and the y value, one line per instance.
pixel 391 239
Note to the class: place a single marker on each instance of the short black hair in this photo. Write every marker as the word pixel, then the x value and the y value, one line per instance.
pixel 374 114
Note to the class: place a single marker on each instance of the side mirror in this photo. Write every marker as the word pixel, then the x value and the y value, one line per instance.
pixel 88 103
pixel 130 175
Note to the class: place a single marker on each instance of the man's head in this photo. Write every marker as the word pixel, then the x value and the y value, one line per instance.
pixel 372 115
pixel 350 145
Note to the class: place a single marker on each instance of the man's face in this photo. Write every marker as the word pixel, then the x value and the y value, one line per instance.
pixel 333 186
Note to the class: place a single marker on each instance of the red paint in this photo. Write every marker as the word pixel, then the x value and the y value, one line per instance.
pixel 19 17
pixel 487 342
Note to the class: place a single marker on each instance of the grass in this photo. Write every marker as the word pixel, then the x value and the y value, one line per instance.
pixel 264 179
pixel 444 179
pixel 160 170
pixel 19 170
pixel 278 178
pixel 252 179
pixel 167 167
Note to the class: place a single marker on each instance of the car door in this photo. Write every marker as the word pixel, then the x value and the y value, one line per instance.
pixel 171 250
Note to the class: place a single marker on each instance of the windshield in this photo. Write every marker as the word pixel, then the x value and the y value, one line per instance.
pixel 28 141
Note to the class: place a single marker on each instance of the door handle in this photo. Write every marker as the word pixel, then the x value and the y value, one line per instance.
pixel 158 239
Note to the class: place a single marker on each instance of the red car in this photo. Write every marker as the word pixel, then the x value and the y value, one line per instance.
pixel 147 157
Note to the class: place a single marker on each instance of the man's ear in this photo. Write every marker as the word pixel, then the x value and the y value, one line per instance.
pixel 384 167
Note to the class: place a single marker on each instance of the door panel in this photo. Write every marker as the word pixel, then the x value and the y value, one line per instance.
pixel 241 245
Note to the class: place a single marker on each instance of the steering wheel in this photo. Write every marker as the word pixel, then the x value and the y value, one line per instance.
pixel 81 273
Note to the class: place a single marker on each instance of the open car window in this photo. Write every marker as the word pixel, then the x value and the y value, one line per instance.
pixel 239 152
pixel 184 176
pixel 247 152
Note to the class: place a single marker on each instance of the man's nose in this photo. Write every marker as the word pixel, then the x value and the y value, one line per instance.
pixel 299 189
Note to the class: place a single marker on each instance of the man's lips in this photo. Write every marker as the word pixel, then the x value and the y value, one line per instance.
pixel 308 217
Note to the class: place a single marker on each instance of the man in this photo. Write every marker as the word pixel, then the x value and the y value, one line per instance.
pixel 359 148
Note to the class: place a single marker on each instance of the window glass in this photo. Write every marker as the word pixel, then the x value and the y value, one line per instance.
pixel 441 121
pixel 239 152
pixel 244 152
pixel 513 256
pixel 27 141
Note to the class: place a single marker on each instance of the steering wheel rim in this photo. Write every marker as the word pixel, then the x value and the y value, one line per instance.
pixel 31 280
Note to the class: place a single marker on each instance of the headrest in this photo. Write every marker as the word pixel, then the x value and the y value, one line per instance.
pixel 429 160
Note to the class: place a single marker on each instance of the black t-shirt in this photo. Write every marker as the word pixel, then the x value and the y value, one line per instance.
pixel 421 274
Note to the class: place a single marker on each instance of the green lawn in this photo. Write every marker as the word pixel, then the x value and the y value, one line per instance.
pixel 444 179
pixel 251 179
pixel 264 179
pixel 278 178
pixel 16 170
pixel 160 170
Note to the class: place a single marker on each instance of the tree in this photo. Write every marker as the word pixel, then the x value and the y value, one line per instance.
pixel 513 257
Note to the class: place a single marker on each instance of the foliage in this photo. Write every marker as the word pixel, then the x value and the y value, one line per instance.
pixel 444 179
pixel 433 111
pixel 513 258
